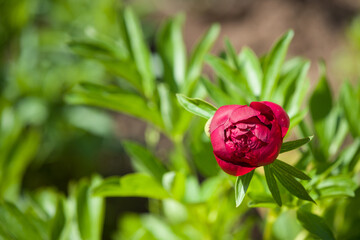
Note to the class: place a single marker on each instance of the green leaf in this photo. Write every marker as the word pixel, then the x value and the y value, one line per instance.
pixel 199 52
pixel 140 52
pixel 241 185
pixel 350 105
pixel 292 185
pixel 232 77
pixel 24 152
pixel 192 190
pixel 232 54
pixel 216 94
pixel 337 186
pixel 90 209
pixel 168 107
pixel 261 200
pixel 297 118
pixel 273 63
pixel 174 183
pixel 251 70
pixel 296 94
pixel 291 145
pixel 131 185
pixel 96 49
pixel 211 187
pixel 273 187
pixel 111 58
pixel 58 222
pixel 286 168
pixel 314 224
pixel 16 225
pixel 114 99
pixel 197 106
pixel 144 160
pixel 321 99
pixel 172 51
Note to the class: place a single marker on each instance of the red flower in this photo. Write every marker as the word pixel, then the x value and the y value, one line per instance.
pixel 247 137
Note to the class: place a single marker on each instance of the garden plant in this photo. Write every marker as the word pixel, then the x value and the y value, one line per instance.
pixel 253 152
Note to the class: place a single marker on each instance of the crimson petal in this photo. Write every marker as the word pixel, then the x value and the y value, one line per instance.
pixel 281 116
pixel 243 113
pixel 261 132
pixel 221 116
pixel 233 169
pixel 218 142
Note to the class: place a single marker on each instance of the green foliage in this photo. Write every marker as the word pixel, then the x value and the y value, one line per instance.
pixel 134 185
pixel 197 106
pixel 273 62
pixel 271 182
pixel 241 186
pixel 314 224
pixel 101 63
pixel 144 160
pixel 291 145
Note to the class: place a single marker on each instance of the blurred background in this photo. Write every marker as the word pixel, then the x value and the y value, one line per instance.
pixel 54 143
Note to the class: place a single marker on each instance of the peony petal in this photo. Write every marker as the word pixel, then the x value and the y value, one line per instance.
pixel 281 116
pixel 218 142
pixel 222 115
pixel 233 169
pixel 261 132
pixel 268 153
pixel 243 113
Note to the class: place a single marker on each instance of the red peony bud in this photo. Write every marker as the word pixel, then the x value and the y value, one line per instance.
pixel 247 137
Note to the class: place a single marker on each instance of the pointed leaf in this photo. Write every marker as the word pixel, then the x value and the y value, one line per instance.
pixel 216 94
pixel 90 209
pixel 168 106
pixel 251 70
pixel 230 50
pixel 291 145
pixel 241 185
pixel 114 99
pixel 273 63
pixel 232 77
pixel 201 49
pixel 286 168
pixel 197 106
pixel 292 185
pixel 171 48
pixel 321 99
pixel 131 185
pixel 139 50
pixel 314 224
pixel 273 187
pixel 144 160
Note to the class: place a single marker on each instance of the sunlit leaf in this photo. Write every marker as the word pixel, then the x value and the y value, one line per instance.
pixel 286 168
pixel 241 185
pixel 170 45
pixel 144 160
pixel 273 63
pixel 314 224
pixel 90 209
pixel 291 145
pixel 17 225
pixel 273 187
pixel 131 185
pixel 104 97
pixel 197 106
pixel 216 94
pixel 321 99
pixel 251 69
pixel 292 185
pixel 140 52
pixel 199 52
